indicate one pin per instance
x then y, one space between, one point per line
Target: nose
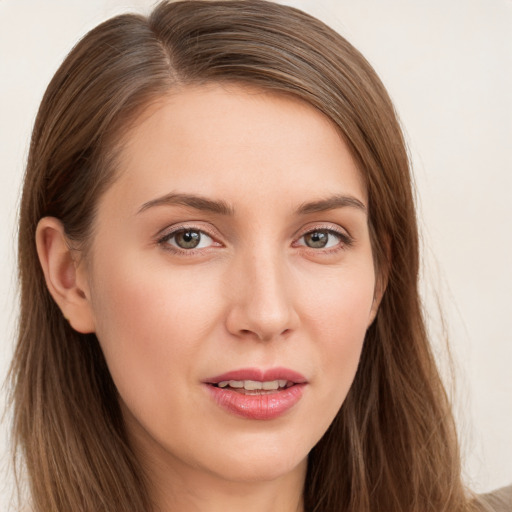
262 300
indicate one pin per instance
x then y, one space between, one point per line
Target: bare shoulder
497 501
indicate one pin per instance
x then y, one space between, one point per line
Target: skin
253 294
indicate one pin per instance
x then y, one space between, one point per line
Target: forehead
234 141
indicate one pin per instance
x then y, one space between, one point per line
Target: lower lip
267 406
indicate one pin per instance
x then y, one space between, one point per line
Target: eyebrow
190 200
331 203
222 208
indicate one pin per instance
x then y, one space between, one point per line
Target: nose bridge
263 305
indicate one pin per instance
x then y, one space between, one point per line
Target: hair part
392 445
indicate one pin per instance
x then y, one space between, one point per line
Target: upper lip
259 375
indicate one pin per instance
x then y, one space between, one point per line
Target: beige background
448 67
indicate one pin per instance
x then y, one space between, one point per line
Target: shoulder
497 501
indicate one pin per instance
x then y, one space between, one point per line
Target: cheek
149 320
338 314
338 302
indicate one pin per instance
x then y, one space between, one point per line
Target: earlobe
65 277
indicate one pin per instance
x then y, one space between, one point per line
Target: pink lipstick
256 394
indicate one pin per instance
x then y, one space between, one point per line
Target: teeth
232 384
253 385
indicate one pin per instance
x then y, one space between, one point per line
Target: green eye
187 239
321 239
316 239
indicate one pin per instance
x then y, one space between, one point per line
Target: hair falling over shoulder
392 446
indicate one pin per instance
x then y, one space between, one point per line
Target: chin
261 470
260 463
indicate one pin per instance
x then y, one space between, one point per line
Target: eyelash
345 240
164 240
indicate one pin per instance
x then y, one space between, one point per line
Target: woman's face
231 281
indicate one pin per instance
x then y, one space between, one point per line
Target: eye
187 239
321 239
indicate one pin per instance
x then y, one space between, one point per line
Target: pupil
317 239
188 239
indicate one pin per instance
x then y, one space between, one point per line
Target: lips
256 394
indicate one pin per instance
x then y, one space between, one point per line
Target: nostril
249 333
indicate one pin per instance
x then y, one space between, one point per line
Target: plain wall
448 67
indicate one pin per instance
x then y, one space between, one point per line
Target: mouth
255 394
254 387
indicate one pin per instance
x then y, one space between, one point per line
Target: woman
221 307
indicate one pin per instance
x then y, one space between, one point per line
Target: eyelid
166 234
169 232
346 240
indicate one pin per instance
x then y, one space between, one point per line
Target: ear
65 276
380 288
381 281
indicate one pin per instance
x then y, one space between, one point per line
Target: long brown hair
392 446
